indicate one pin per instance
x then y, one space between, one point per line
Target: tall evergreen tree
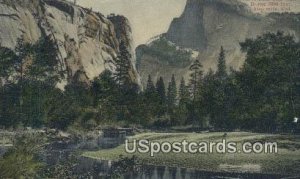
24 52
195 80
150 99
150 88
7 60
104 88
127 89
184 95
195 87
220 108
172 93
123 66
181 114
221 71
44 66
161 90
33 72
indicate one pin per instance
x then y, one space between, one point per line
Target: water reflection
103 168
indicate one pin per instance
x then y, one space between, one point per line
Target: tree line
262 96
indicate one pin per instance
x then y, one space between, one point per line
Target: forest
263 96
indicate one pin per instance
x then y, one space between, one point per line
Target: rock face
206 25
188 30
88 42
124 33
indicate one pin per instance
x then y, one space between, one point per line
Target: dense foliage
166 53
22 160
262 96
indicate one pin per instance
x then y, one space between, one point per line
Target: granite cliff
88 42
205 26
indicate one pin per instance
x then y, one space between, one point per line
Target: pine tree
172 93
161 90
123 66
221 101
195 81
183 92
151 98
221 71
195 87
23 52
7 59
104 88
44 66
150 88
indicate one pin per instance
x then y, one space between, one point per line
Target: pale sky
149 18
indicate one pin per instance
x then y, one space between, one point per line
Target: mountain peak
183 29
205 26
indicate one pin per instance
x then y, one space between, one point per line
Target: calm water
101 168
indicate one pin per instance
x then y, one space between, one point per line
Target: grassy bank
286 161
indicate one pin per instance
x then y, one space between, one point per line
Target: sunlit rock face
188 30
88 42
205 26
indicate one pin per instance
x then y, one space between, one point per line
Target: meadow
285 161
